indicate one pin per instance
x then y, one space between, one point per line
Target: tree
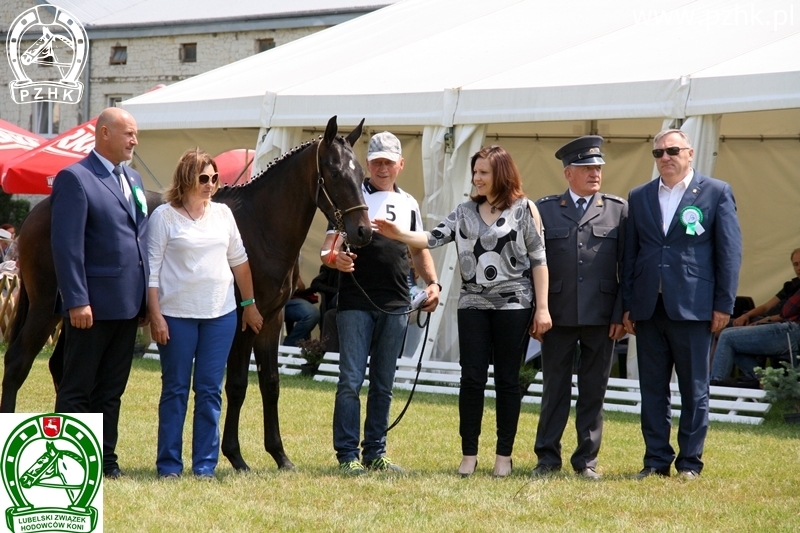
13 211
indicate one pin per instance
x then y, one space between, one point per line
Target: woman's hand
158 328
251 317
386 228
541 324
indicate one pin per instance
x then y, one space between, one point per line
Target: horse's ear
355 134
330 130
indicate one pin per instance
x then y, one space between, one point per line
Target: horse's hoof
287 465
239 465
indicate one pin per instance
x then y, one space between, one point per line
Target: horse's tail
23 304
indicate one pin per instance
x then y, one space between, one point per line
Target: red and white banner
15 141
33 172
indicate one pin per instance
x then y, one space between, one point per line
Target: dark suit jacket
99 248
698 274
584 258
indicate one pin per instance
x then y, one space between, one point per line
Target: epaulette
548 198
612 197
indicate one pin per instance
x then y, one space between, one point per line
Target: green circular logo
52 467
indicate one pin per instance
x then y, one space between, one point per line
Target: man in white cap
375 275
584 233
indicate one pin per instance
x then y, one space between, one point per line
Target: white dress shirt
669 199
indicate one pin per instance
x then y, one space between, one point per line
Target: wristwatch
436 282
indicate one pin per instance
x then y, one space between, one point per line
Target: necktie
582 205
126 191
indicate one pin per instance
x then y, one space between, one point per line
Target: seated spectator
300 314
7 235
772 307
770 337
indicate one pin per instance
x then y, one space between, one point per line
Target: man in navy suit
683 251
99 216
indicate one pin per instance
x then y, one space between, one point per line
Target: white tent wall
527 68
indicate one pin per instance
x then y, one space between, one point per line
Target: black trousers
594 367
97 363
499 336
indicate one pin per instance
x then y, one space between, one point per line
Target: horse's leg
56 363
39 325
235 391
266 352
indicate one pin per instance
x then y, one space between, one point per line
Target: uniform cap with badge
583 151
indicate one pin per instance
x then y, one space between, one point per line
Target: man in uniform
584 232
375 275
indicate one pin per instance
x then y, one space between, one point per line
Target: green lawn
751 481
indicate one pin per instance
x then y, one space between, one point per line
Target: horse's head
339 191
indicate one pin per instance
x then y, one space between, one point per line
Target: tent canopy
450 75
445 62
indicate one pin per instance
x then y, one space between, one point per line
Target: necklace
190 215
494 208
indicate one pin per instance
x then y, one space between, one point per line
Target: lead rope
419 369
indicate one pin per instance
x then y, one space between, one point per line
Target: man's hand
630 325
433 298
719 320
616 331
81 317
345 261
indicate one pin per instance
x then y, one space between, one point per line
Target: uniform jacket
584 258
697 274
99 247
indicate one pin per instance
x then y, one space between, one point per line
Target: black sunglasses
203 179
658 153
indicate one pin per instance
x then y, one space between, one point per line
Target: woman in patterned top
498 235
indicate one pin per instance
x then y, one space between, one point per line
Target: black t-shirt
789 288
382 266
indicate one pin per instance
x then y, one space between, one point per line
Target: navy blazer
99 246
697 274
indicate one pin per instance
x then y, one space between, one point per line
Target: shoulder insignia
614 198
548 198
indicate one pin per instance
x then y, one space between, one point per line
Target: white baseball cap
384 145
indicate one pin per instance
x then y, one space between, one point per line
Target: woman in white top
195 253
498 235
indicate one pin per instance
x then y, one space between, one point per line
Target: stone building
137 46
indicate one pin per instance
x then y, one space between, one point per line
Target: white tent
452 75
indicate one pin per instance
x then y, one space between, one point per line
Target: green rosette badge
691 218
52 468
141 199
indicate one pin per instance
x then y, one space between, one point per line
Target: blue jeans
739 345
363 334
207 342
304 315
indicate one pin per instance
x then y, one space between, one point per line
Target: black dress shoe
588 473
688 474
650 471
113 473
542 470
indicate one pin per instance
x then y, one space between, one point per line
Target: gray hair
681 133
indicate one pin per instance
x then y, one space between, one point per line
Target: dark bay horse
274 213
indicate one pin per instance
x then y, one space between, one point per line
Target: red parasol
15 141
33 172
234 165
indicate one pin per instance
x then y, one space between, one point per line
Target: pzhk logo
63 44
52 467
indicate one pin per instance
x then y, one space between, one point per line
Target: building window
46 116
188 53
115 99
119 55
262 45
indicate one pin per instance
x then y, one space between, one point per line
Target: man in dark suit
99 216
683 251
584 232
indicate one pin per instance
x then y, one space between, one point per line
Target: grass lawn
751 481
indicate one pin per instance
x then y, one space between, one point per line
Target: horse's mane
235 192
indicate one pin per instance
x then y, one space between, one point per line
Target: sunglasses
658 153
203 179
